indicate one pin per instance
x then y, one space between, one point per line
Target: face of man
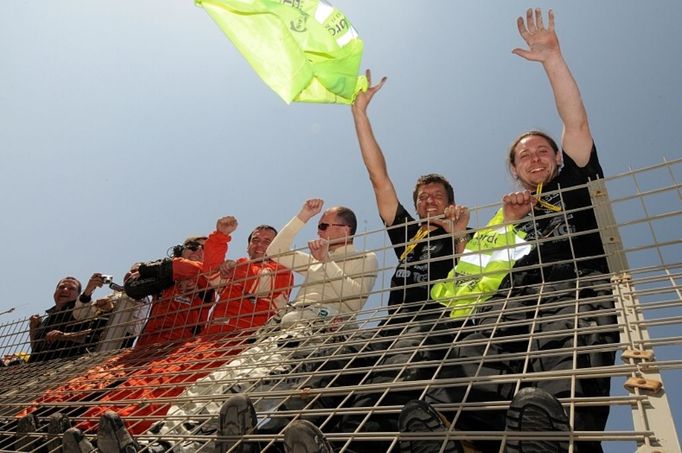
432 199
67 290
333 228
194 250
535 161
260 239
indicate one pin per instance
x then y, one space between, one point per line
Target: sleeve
572 174
184 269
280 251
400 231
84 310
215 249
351 280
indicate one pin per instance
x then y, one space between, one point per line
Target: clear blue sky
126 126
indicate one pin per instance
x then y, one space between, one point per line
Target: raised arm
387 199
543 46
279 249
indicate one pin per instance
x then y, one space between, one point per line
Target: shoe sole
75 442
303 437
237 417
112 436
421 411
26 425
536 410
56 427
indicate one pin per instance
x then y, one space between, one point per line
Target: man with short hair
425 249
338 278
60 334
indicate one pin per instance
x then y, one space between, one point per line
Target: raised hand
35 321
517 205
96 281
543 43
363 98
310 208
226 225
319 248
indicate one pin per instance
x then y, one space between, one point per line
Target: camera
106 279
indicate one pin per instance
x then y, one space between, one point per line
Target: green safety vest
487 259
305 50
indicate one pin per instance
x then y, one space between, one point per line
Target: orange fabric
166 377
149 377
236 312
181 309
172 321
238 308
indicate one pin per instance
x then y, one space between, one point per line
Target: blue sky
126 126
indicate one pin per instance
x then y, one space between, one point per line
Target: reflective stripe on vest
487 259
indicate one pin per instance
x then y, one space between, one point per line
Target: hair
176 250
348 217
191 239
433 178
259 228
511 156
80 287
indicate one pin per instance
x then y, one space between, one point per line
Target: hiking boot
57 425
237 418
26 425
419 417
112 436
303 437
533 409
74 441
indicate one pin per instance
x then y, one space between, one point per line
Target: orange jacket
181 310
251 296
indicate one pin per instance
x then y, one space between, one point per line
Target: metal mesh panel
352 377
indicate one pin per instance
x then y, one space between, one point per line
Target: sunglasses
323 226
194 246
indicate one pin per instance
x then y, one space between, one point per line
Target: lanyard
543 203
421 234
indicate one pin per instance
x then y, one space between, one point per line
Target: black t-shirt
430 260
563 225
63 320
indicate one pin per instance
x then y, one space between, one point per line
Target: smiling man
60 334
337 278
424 249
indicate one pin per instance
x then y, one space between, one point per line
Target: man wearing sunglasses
337 277
182 308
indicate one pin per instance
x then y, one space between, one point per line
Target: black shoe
25 426
237 418
112 436
57 425
303 437
74 441
419 417
534 409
